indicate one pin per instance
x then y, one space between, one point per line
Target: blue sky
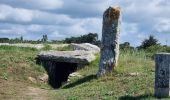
64 18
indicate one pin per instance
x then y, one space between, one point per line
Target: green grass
118 85
17 64
46 47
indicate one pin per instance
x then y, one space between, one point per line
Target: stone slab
77 56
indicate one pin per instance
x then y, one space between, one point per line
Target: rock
33 80
110 40
75 74
60 64
68 80
78 56
85 47
134 74
44 78
54 46
162 75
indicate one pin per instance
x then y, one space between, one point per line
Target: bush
126 46
156 49
151 41
152 50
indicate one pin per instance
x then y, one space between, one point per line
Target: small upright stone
162 75
110 40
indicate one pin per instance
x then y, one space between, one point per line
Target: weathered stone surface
110 40
77 56
86 47
162 75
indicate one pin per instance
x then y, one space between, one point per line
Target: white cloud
65 18
150 17
35 28
34 4
14 31
56 35
129 29
83 8
15 14
45 4
25 16
93 25
78 28
162 25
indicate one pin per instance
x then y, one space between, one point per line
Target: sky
60 19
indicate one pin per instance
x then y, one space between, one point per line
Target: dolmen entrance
60 64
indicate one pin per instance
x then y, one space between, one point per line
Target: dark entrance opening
58 72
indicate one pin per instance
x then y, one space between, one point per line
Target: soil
17 90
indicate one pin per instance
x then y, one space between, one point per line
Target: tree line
149 44
21 40
87 38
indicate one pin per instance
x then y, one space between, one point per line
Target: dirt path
10 90
36 93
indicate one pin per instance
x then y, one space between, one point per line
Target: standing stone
110 40
162 75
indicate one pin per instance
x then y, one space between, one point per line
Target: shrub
151 41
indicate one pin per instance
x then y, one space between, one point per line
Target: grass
46 47
17 64
118 85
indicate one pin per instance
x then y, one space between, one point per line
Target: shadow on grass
140 97
80 81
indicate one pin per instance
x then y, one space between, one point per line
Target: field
133 78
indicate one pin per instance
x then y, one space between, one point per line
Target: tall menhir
110 40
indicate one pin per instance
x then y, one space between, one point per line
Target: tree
45 38
4 40
87 38
151 41
125 45
21 38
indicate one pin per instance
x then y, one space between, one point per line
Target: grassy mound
132 79
18 63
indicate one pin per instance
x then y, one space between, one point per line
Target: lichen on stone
113 13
